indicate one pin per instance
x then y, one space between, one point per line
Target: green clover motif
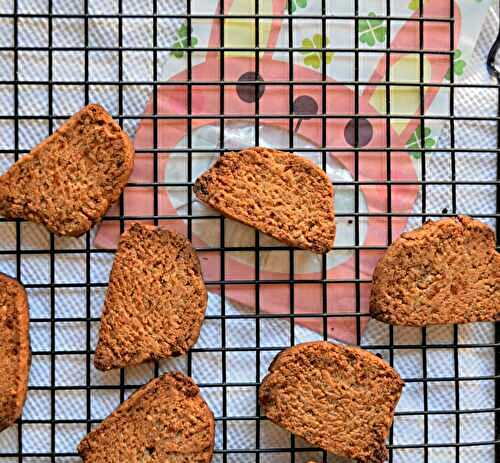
182 41
372 31
458 65
294 4
414 143
313 58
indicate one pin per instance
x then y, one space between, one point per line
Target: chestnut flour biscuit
69 181
443 272
15 354
280 194
166 421
339 398
156 299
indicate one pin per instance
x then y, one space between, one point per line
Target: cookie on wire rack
165 420
280 194
447 271
339 398
15 353
69 181
156 299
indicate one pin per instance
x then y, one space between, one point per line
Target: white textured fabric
206 367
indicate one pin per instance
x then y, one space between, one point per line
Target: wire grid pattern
35 261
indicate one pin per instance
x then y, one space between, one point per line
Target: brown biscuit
15 353
443 272
69 181
280 194
166 420
339 398
156 299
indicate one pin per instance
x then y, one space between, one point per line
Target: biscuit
446 271
15 353
280 194
339 398
156 299
70 180
166 420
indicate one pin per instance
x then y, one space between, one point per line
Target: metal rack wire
255 451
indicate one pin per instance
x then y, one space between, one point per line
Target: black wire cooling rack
17 12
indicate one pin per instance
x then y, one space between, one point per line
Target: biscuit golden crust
69 181
280 194
156 299
15 353
339 398
446 271
166 420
